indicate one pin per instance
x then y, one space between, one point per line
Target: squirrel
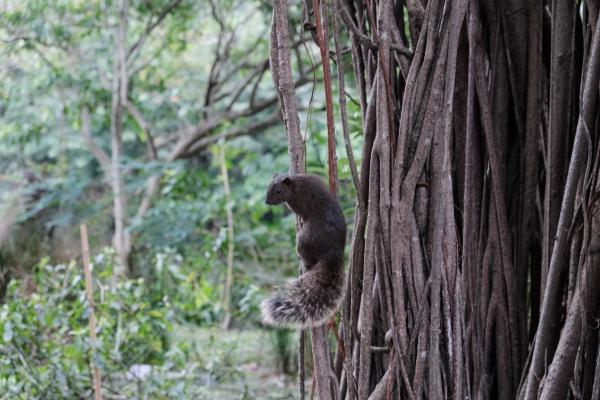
314 297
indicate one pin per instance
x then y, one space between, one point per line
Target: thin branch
402 50
144 126
241 87
142 65
245 130
149 28
256 84
362 38
230 248
92 145
322 38
190 135
342 99
153 183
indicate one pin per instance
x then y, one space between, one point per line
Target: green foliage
194 288
185 283
57 57
45 348
285 350
185 232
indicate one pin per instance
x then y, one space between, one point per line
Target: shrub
44 334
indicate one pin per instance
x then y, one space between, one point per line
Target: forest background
146 175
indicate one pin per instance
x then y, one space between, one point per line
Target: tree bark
230 245
121 237
578 157
282 77
470 204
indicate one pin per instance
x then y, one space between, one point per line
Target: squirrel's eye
278 190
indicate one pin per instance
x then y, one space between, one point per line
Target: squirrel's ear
287 181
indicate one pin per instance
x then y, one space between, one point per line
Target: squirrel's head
279 190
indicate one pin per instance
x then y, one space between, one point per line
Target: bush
44 334
194 286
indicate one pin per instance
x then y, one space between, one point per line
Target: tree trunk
121 238
472 246
229 274
282 77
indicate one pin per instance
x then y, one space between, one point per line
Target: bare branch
149 28
362 38
144 126
213 75
192 134
241 87
256 84
342 99
402 50
245 130
142 65
153 183
92 145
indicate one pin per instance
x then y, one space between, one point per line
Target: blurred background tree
114 107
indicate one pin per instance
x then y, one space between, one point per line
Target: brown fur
312 298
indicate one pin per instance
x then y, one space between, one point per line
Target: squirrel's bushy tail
307 301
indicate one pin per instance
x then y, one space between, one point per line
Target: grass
238 364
